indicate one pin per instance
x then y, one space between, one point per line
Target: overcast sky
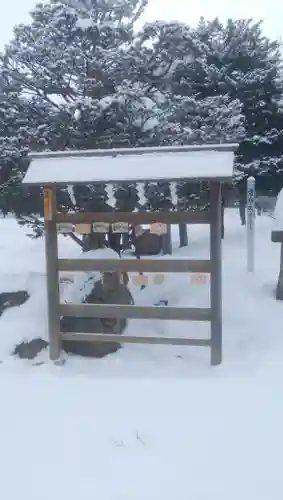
16 11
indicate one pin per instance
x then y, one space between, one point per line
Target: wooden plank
65 228
52 275
216 274
140 280
279 287
100 227
277 236
137 218
107 337
158 228
136 265
190 178
136 151
135 312
83 228
120 227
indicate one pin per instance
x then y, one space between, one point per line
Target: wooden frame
211 266
54 265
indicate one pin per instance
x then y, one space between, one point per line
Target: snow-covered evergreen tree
13 146
234 60
68 60
87 81
167 55
243 63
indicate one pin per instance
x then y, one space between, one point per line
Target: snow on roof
132 165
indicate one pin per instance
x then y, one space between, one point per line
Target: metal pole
250 224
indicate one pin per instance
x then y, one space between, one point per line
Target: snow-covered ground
147 421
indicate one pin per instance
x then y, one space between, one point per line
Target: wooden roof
174 163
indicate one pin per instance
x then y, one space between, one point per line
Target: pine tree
246 65
170 58
13 147
87 81
68 60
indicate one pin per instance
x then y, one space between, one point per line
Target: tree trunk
167 241
126 241
114 241
183 235
242 209
94 241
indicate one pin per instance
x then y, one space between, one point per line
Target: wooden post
52 275
216 273
167 241
279 288
222 217
183 235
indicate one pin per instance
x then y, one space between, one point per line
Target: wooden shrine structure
212 163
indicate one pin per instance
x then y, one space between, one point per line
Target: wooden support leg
222 220
279 288
52 278
167 241
216 273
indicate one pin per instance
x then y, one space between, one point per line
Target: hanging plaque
120 227
67 279
140 280
100 227
199 279
158 228
83 228
65 228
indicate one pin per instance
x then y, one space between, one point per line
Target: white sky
16 11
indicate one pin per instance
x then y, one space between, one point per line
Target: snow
106 102
84 23
174 195
150 124
77 114
111 200
148 421
138 167
71 194
141 194
83 282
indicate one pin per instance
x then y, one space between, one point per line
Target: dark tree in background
246 65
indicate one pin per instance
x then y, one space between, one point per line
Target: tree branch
33 218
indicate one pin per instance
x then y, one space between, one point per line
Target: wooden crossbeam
132 339
134 265
189 217
135 312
